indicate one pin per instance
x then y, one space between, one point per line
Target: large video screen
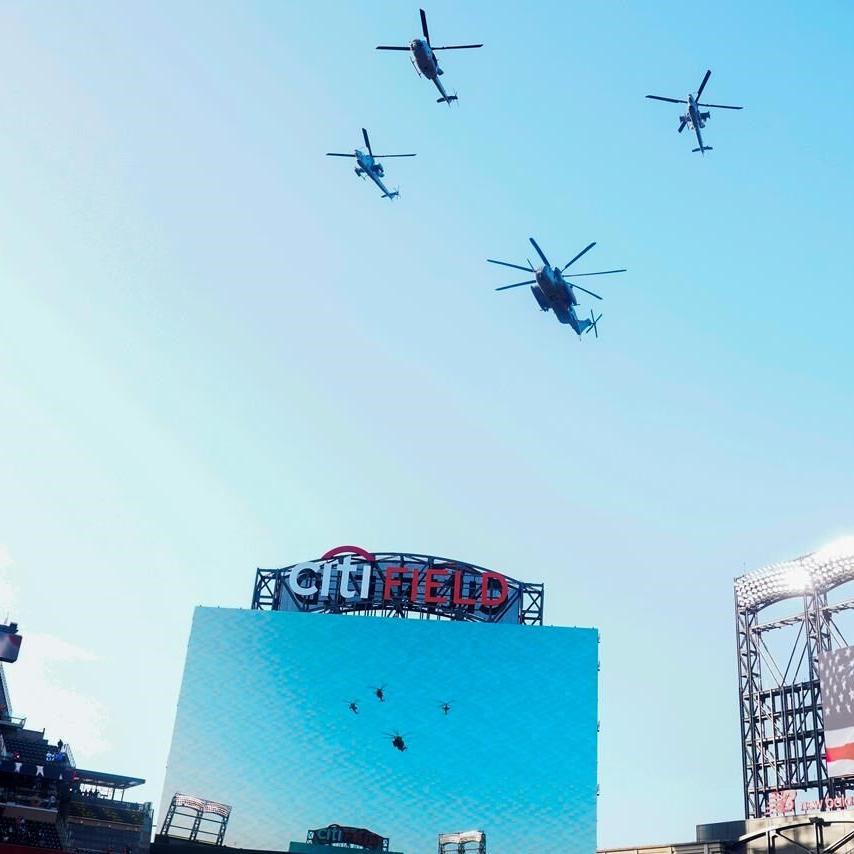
408 728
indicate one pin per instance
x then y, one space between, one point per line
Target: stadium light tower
208 819
781 712
467 842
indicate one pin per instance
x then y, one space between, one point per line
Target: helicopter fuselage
426 64
552 284
695 119
424 58
368 166
553 292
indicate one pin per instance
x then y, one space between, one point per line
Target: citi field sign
354 581
351 578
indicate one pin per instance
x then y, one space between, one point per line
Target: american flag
836 670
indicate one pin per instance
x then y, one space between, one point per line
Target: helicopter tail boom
446 98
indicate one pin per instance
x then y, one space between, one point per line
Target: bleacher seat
35 834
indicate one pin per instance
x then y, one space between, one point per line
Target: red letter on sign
431 584
390 581
459 599
485 600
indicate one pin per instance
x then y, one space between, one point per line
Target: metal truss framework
781 716
524 603
810 834
202 814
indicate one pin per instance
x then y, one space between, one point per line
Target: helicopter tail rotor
592 324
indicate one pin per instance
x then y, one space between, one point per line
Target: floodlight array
813 573
201 805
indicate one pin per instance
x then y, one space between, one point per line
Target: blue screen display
279 716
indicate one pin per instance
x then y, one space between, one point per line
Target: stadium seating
39 794
27 749
106 811
19 831
103 838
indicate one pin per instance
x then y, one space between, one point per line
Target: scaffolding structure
781 713
208 819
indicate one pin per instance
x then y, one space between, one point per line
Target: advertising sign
353 579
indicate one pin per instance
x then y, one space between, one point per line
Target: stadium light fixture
819 571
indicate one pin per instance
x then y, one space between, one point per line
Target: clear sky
264 726
220 350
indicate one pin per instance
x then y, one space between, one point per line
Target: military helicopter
369 166
353 706
424 58
552 290
695 118
445 707
397 741
379 693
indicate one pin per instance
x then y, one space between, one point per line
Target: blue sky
220 350
263 726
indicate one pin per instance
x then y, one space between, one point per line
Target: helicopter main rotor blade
383 156
539 252
599 273
367 142
586 249
720 106
579 288
456 47
517 285
392 47
669 100
336 154
703 85
508 264
424 26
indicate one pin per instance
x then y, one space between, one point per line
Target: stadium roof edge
102 778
